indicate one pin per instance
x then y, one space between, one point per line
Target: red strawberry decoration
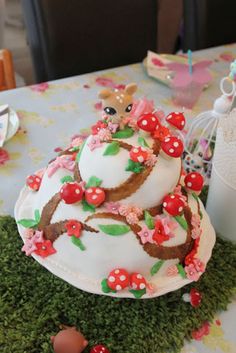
138 154
33 182
71 192
118 279
95 196
100 348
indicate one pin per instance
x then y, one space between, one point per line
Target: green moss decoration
93 181
149 220
76 241
112 149
114 229
156 267
123 134
34 302
135 167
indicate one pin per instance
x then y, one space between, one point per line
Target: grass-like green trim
33 303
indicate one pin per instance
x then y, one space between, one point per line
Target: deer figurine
117 104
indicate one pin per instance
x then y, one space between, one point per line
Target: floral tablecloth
51 113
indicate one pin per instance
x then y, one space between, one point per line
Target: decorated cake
115 213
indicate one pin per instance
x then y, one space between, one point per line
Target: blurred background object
7 74
75 37
208 23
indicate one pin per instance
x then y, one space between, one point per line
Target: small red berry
118 279
95 196
71 192
100 348
33 182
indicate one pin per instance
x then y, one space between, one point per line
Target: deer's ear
104 94
131 88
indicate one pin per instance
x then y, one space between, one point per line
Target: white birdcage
200 139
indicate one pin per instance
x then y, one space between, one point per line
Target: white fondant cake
119 231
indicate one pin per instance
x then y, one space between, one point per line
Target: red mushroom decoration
194 297
148 122
99 348
138 154
118 279
33 182
137 281
71 192
173 205
69 340
194 182
176 120
95 196
172 146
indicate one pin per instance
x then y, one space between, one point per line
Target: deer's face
117 104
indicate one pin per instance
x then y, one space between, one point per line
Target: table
51 113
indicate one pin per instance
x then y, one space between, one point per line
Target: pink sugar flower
29 247
132 122
172 271
196 233
94 143
65 162
196 220
124 210
76 142
146 235
168 224
191 272
28 233
199 265
132 218
37 237
112 207
104 135
112 127
151 160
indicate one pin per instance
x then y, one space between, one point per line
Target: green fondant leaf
142 142
112 149
28 223
37 216
156 267
181 271
135 167
149 220
138 293
200 213
114 229
194 195
122 134
182 222
78 242
87 207
80 152
74 149
66 179
93 181
105 287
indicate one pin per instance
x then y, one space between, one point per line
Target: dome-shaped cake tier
113 215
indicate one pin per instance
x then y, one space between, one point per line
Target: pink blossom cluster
196 222
130 212
195 269
32 237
